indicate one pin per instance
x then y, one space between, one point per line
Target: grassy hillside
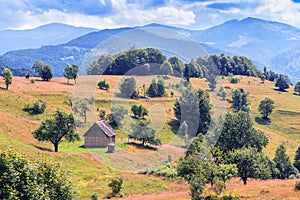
91 170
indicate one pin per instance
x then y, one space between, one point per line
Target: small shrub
297 185
116 185
32 81
234 80
27 75
103 85
94 197
38 107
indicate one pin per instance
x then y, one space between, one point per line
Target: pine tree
297 159
282 162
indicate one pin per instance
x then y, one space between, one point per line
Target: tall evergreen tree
297 159
282 162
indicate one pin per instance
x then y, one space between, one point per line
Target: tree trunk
143 142
6 87
68 81
245 181
56 147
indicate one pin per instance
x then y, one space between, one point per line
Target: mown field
92 169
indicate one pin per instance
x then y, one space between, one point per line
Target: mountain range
49 34
271 44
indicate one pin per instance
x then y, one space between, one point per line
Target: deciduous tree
297 88
54 129
71 72
266 107
283 82
142 132
127 87
7 76
44 71
23 179
238 132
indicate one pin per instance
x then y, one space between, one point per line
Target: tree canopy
283 163
283 82
142 132
71 72
23 179
54 129
194 107
139 111
156 89
127 87
238 132
266 107
44 71
297 87
239 100
7 76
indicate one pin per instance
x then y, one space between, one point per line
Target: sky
100 14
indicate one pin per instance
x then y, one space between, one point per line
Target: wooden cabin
99 135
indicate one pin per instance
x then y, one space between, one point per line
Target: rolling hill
91 170
267 43
49 34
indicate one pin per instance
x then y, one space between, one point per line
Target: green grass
92 169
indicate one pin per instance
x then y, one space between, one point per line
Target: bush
297 185
103 85
222 197
38 107
234 80
168 171
116 185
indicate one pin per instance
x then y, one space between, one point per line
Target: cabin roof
103 126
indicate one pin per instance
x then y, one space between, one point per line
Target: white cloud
21 14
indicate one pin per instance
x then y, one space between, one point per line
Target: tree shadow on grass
174 125
140 146
42 148
278 90
262 121
2 88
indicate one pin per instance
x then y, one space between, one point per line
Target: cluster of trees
195 109
129 90
124 61
139 111
157 89
224 65
232 147
152 61
238 152
23 179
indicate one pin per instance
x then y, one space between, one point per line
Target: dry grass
88 171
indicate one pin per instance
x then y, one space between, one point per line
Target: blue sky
193 14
